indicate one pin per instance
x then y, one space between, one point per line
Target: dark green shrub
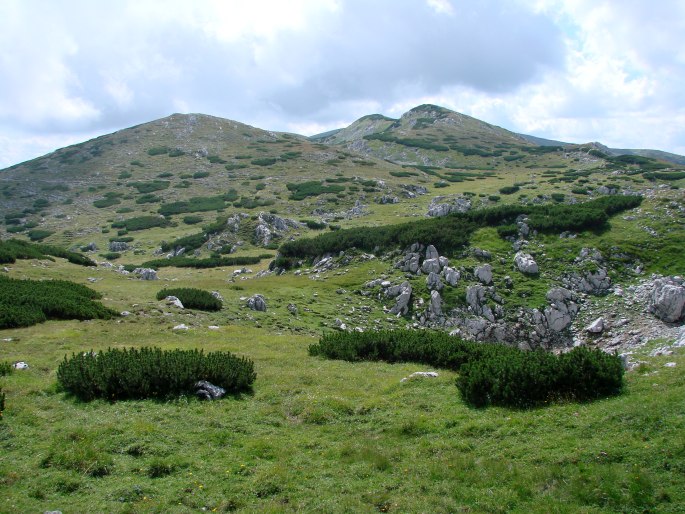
2 402
508 190
212 262
14 249
201 174
489 374
106 202
39 234
190 242
315 225
192 298
6 368
157 150
494 198
26 302
151 186
192 220
176 152
151 373
579 191
111 256
232 167
148 198
558 197
195 204
141 223
266 161
312 188
215 159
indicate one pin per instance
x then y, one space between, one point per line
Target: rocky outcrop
401 306
667 300
257 303
432 252
563 309
439 208
431 266
433 282
484 274
592 282
269 225
387 199
435 307
145 273
412 191
526 264
118 246
451 276
207 391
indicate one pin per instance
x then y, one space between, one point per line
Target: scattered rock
20 365
421 374
387 199
596 327
459 204
435 308
670 365
124 314
482 255
401 306
433 282
207 391
146 273
484 274
172 300
180 327
526 264
667 301
118 246
292 309
451 276
257 303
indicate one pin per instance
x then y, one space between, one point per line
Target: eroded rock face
667 301
438 208
526 264
563 309
433 282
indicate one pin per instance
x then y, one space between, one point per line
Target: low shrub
489 374
141 223
106 202
2 402
121 374
6 368
266 161
192 220
39 234
151 186
508 190
14 249
27 302
192 298
195 204
157 150
302 190
212 262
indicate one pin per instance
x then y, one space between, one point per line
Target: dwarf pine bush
121 374
192 298
489 374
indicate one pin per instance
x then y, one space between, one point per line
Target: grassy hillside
321 435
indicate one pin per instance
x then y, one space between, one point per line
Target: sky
571 70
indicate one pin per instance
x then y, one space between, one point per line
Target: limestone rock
451 276
596 327
207 391
172 300
431 252
484 274
667 301
433 282
435 308
525 263
401 306
431 266
146 273
118 246
257 303
420 374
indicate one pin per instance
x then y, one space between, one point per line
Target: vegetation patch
39 234
192 298
265 161
141 223
489 374
195 204
151 186
210 262
27 302
139 373
302 190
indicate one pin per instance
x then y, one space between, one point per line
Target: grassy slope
322 435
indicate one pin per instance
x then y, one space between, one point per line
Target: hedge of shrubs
210 262
141 223
195 204
489 374
27 302
122 374
302 190
192 298
449 233
14 249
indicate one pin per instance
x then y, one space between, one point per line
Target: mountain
407 240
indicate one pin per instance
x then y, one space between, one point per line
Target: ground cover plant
125 374
489 374
14 249
192 298
26 302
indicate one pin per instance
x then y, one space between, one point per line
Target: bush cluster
302 190
14 249
410 142
141 223
122 374
449 233
210 262
151 186
489 374
195 204
192 298
27 302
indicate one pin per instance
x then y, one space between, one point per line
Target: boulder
387 199
667 301
292 309
146 273
435 307
172 300
525 263
91 247
432 253
484 274
257 303
451 276
420 374
596 327
482 255
207 391
401 306
118 246
433 282
437 208
431 266
180 327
